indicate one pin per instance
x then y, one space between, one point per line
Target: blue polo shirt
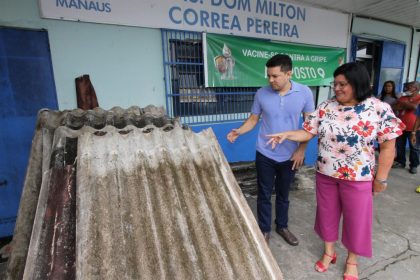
418 111
280 113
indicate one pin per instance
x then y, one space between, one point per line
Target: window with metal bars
186 95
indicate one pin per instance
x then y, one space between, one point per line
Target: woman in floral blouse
347 127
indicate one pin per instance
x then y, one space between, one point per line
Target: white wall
324 94
386 31
124 63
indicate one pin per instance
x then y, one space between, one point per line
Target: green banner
240 62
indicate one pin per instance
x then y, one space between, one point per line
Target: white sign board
267 19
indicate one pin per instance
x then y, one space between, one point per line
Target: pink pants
355 201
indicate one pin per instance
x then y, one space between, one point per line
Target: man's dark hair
282 60
358 77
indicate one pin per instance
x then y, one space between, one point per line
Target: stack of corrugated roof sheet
131 194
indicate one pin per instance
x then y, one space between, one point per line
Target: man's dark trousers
414 149
279 175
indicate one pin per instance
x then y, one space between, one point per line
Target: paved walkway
396 235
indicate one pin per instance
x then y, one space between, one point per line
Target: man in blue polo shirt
280 106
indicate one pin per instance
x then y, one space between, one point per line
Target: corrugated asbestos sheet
130 194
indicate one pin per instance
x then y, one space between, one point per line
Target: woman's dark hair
358 77
282 60
383 93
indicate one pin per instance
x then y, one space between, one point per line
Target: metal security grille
186 95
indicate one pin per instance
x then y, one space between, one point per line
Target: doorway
383 59
26 86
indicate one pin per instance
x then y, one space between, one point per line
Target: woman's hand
379 186
277 138
292 135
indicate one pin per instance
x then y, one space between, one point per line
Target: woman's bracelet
383 182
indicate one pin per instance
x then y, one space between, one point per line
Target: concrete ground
396 235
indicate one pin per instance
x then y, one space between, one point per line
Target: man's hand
413 138
248 125
297 158
233 134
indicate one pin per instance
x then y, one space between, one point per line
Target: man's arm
404 104
413 137
248 125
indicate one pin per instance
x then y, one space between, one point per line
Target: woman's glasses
340 85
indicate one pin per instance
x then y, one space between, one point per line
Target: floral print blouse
346 136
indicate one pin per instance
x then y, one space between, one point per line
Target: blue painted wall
244 147
26 86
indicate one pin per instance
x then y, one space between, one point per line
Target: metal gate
186 95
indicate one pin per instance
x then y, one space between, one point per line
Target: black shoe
267 237
396 164
287 236
413 170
